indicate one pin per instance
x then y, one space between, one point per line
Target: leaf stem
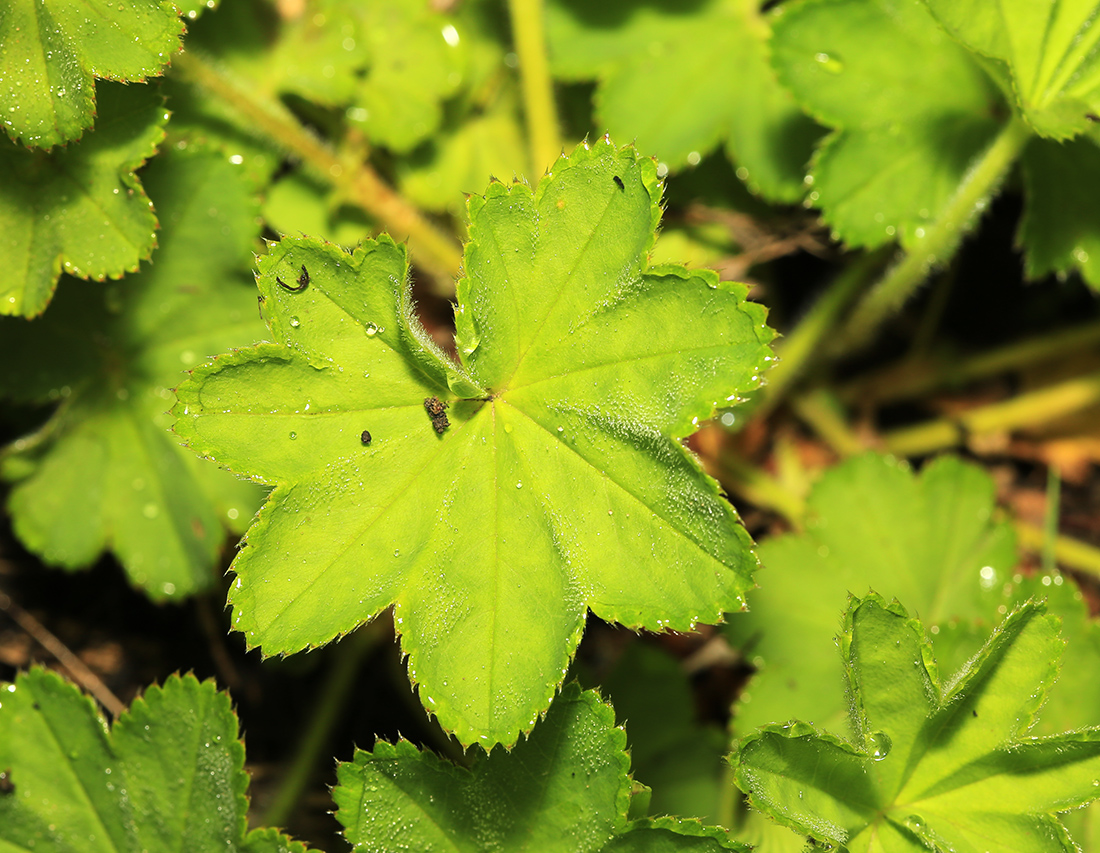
797 349
825 416
1035 407
326 712
435 252
939 241
529 37
759 488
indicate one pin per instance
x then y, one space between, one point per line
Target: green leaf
105 472
79 208
168 776
559 484
680 759
910 110
931 766
54 50
680 81
567 787
930 540
1060 230
1050 49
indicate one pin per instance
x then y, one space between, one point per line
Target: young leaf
167 776
105 472
79 208
567 787
932 766
930 539
910 110
54 50
682 80
1049 48
552 484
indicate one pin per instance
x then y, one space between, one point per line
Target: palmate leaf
910 109
566 788
931 540
1050 48
167 776
932 765
680 81
559 484
105 472
80 209
54 50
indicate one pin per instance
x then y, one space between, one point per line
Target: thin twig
76 668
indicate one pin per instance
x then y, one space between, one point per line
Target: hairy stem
433 251
529 37
939 241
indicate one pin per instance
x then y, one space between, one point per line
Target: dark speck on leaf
303 280
437 411
365 437
6 785
619 182
975 713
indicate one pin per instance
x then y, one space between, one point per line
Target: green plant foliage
678 758
650 61
167 776
930 540
1060 230
909 107
79 208
580 369
54 50
104 472
1050 49
566 788
931 766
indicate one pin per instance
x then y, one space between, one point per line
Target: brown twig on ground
759 241
76 668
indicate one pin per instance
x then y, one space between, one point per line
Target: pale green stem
1050 522
910 380
1035 407
821 411
326 712
529 37
796 350
939 241
760 489
431 249
1068 552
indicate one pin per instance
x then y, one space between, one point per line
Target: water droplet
519 485
878 744
371 330
293 435
829 63
295 322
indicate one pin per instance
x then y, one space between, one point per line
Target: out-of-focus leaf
80 209
105 472
681 79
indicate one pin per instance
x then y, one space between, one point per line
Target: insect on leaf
558 484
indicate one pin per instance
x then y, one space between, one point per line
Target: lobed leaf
1050 49
80 209
556 485
909 107
930 539
104 472
565 788
54 50
680 81
167 776
931 765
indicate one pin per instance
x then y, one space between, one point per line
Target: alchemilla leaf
167 776
932 765
79 209
105 472
493 501
1050 48
54 50
566 788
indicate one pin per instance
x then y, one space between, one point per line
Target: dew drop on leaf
878 744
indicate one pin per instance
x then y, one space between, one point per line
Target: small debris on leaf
365 437
436 409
